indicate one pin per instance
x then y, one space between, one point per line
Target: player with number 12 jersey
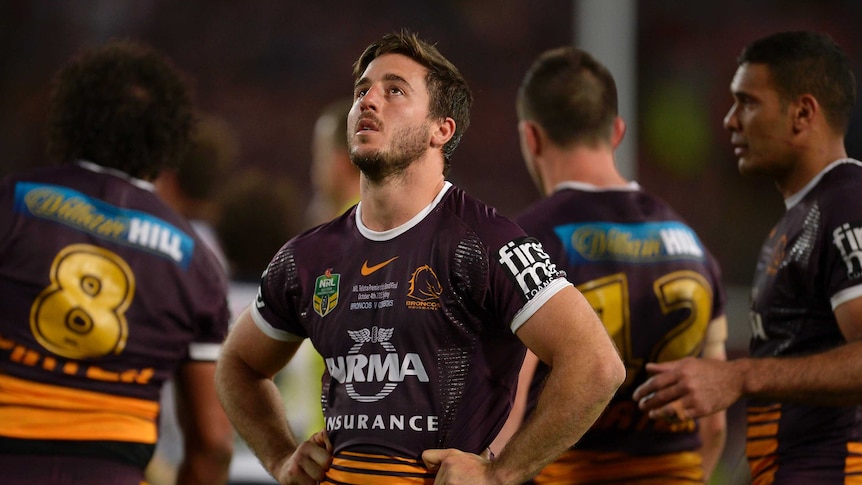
657 290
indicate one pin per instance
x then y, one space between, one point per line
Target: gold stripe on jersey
593 467
367 469
853 463
30 410
761 443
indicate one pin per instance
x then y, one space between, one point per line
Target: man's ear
618 131
531 138
804 111
444 132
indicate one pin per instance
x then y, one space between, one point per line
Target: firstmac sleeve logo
848 240
528 265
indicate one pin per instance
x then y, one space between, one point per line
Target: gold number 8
81 314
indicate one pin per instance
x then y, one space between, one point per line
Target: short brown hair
571 95
448 91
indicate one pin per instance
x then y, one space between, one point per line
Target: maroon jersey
105 292
653 284
810 263
416 324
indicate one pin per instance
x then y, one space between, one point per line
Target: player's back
652 282
105 292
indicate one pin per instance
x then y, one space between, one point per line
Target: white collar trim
572 184
397 231
141 183
798 196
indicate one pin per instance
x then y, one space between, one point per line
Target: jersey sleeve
522 276
842 245
275 309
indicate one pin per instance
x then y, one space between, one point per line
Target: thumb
433 458
321 439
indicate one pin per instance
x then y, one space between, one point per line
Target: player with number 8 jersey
105 292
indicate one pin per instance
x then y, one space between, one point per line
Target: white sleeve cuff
271 331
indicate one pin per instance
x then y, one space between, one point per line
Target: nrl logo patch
326 292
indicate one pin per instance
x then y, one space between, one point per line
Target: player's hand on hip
455 467
308 464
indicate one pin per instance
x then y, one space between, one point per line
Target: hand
308 463
689 388
455 467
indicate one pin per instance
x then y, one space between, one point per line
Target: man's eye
359 93
394 90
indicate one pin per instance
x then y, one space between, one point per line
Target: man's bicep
565 323
257 350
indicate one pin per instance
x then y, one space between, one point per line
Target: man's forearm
254 406
831 378
570 403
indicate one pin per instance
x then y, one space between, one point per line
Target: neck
591 166
395 200
808 166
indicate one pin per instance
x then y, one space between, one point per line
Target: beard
408 144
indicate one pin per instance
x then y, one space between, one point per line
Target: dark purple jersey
653 284
105 291
416 324
810 263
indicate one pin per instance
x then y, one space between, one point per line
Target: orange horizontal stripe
853 463
762 430
762 418
763 469
32 410
760 448
367 469
578 466
764 409
352 455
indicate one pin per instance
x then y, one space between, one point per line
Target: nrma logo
376 374
528 264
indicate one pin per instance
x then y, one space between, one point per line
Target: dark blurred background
269 66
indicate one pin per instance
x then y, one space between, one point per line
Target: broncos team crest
326 292
425 290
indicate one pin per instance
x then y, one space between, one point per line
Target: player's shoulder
324 237
477 215
839 188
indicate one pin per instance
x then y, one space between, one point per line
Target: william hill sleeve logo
527 263
326 292
645 242
93 216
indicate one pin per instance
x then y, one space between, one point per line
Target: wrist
749 382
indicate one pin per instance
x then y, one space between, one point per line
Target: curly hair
448 91
123 106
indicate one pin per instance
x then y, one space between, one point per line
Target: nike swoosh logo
367 270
